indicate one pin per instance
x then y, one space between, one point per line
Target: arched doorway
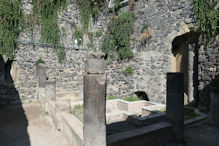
185 60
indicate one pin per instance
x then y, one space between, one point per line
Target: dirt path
24 125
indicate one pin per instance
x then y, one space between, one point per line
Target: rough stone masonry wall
168 18
208 71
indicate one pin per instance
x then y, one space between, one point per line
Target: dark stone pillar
175 104
95 101
214 108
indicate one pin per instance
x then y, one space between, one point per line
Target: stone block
175 104
214 107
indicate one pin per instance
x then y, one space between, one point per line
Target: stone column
50 93
41 75
191 55
42 78
95 101
175 104
214 108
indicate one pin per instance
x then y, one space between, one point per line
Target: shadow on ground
13 121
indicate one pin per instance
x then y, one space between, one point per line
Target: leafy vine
206 13
11 23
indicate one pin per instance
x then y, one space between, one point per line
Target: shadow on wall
13 121
204 94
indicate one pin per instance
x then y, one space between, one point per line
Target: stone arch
185 60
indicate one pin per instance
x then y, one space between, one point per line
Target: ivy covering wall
11 23
117 40
206 14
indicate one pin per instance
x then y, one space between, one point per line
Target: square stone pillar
214 107
41 75
95 101
50 93
175 104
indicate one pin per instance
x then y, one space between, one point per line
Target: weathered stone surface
41 74
175 104
151 62
190 86
94 110
95 63
50 93
214 108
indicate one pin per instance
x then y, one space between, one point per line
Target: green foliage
98 33
39 61
206 15
78 35
84 9
47 10
144 27
131 99
88 8
11 21
91 43
190 113
61 55
45 113
111 97
118 37
64 35
77 111
128 71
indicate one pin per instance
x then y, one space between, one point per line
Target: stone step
74 96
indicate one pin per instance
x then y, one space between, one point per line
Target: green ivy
206 15
39 61
61 55
47 12
84 9
78 35
128 71
118 37
87 9
11 21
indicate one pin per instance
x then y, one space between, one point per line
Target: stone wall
208 69
168 19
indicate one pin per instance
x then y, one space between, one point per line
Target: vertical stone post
95 101
191 55
50 93
42 78
175 104
41 75
214 108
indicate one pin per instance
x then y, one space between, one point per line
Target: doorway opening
185 60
